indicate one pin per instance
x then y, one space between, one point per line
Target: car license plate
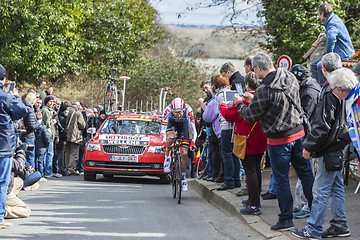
124 158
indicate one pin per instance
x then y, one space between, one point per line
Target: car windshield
121 126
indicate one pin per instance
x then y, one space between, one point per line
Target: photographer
11 108
15 208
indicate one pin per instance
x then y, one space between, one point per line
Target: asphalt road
120 208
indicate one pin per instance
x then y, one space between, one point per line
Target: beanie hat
31 97
48 98
63 107
300 72
2 72
356 69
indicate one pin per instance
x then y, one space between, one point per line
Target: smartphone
239 89
229 95
12 86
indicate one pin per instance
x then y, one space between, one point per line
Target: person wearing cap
309 93
49 123
74 124
11 109
61 133
31 125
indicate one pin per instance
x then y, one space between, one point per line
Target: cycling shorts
182 130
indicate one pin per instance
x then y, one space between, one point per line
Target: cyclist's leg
170 134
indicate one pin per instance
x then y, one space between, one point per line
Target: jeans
30 155
300 199
39 163
252 169
210 159
31 179
49 159
231 162
328 184
280 158
316 71
272 184
5 171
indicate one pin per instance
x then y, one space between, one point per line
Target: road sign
284 62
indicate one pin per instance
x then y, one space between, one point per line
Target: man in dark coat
235 78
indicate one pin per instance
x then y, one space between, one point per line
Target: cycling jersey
181 126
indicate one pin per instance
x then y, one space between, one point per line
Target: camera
27 147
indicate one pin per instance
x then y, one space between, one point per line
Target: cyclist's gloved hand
164 146
192 146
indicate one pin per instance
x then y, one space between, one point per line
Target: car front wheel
89 176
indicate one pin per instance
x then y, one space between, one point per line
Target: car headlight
91 147
155 149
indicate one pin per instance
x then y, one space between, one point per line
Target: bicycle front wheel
178 179
172 179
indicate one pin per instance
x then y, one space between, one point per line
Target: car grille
125 165
116 149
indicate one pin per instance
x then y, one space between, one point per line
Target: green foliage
165 69
292 26
51 38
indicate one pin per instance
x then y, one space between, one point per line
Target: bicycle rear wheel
202 165
178 179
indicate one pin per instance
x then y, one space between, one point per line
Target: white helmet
177 105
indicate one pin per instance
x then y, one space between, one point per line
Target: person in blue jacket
338 40
11 108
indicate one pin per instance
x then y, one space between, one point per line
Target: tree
51 38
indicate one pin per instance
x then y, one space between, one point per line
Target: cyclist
178 118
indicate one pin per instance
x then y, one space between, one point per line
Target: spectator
74 124
11 109
86 114
247 65
49 123
41 90
42 142
61 133
31 125
255 148
329 138
235 77
231 162
356 70
15 208
49 91
338 40
211 115
102 116
309 93
37 105
274 105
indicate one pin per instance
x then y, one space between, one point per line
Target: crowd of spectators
42 137
297 117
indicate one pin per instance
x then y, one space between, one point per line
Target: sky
169 10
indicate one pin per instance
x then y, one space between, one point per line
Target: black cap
356 69
300 72
2 72
48 98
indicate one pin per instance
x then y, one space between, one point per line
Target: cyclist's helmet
177 105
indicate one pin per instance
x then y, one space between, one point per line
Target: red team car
125 145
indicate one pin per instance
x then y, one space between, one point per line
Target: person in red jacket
255 148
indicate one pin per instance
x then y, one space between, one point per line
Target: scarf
353 115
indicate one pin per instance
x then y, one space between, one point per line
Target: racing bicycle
203 162
111 93
175 167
